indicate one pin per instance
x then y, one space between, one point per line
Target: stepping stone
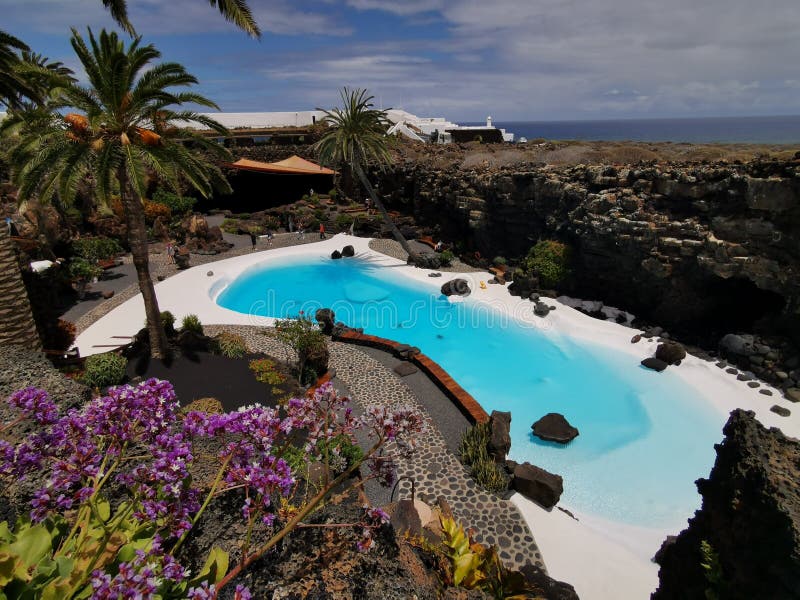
779 410
753 384
405 369
731 370
765 391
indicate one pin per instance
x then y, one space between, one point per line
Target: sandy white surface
602 559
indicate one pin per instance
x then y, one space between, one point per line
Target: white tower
488 121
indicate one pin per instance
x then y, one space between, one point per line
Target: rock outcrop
456 287
536 484
748 529
499 435
703 249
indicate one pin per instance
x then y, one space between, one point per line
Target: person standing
253 239
171 252
322 231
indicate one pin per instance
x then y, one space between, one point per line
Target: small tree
304 338
551 261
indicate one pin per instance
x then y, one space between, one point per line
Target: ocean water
761 130
645 437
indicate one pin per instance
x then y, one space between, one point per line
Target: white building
264 120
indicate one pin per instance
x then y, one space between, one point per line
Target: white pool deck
604 560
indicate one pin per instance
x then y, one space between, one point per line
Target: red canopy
292 165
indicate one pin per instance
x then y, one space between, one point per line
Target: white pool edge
591 554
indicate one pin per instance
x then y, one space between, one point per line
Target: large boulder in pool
540 309
656 364
456 287
326 318
670 352
348 251
536 484
336 255
499 435
553 427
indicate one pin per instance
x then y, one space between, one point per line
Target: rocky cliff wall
749 522
711 248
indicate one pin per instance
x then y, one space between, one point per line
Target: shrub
97 248
231 345
179 205
153 210
210 406
474 454
334 194
81 269
499 261
266 372
192 323
551 261
446 257
230 226
271 222
343 221
102 370
307 341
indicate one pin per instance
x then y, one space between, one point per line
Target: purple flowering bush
119 501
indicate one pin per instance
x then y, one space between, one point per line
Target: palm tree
13 86
356 137
16 319
235 11
123 132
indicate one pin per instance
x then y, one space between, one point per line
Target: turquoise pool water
645 437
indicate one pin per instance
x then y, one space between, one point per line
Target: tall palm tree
16 319
235 11
356 137
124 132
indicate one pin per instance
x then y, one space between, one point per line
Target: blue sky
465 59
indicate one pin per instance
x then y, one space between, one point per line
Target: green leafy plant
343 221
499 261
266 371
551 261
102 370
306 340
192 324
474 454
230 226
447 257
179 205
231 345
96 248
475 566
712 570
82 270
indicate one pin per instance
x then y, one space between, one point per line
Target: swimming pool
644 436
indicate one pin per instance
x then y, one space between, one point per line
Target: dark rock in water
636 339
750 519
670 352
336 255
780 410
348 251
654 363
326 318
405 368
456 287
540 309
499 435
547 587
553 427
536 484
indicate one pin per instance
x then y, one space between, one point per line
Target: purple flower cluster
373 519
35 403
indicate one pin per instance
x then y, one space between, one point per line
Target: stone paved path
435 470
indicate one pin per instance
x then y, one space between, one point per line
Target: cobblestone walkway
435 470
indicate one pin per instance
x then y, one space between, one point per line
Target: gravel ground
395 250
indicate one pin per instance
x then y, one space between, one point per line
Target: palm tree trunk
137 239
386 217
16 319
